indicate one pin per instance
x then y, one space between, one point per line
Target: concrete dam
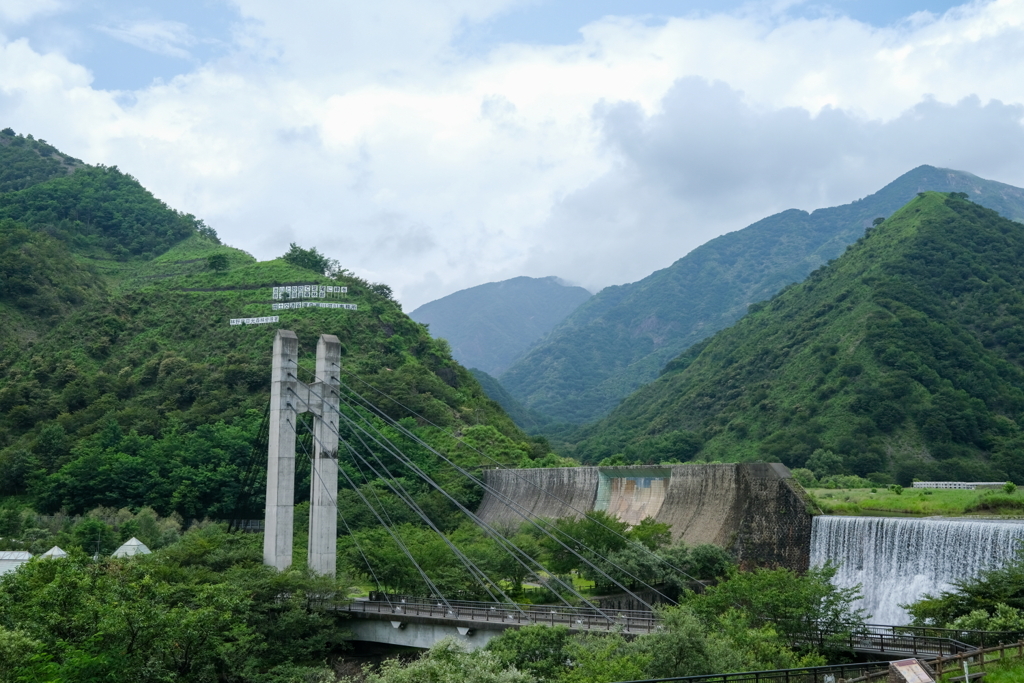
754 510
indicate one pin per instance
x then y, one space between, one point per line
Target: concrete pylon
323 494
290 397
280 512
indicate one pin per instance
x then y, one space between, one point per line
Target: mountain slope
490 325
904 356
622 337
25 161
122 383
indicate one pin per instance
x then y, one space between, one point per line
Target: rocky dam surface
754 510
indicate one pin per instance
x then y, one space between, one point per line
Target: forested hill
25 161
490 325
904 357
622 337
121 381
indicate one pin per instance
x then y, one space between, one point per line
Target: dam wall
754 510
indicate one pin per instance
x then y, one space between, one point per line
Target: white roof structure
12 559
132 546
53 553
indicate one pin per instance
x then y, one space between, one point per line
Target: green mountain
122 382
25 161
903 357
490 325
622 337
521 416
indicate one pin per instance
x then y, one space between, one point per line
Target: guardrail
584 618
883 640
811 674
867 638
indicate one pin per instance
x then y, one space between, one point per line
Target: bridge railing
883 640
923 640
811 674
583 618
878 638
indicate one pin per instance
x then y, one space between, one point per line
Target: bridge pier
289 398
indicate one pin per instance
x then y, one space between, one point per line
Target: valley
135 375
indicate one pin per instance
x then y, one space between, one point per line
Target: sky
439 144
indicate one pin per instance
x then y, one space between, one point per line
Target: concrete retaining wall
755 510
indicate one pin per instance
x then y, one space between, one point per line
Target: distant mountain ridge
490 325
622 337
902 358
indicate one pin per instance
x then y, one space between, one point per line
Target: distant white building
969 485
53 553
132 546
12 559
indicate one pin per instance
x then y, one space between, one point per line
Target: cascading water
898 560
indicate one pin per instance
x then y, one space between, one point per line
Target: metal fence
811 674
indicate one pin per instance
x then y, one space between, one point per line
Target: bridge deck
872 639
504 615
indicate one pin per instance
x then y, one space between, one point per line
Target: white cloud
22 11
358 129
167 38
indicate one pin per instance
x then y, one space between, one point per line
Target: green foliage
652 534
906 344
535 650
100 209
794 605
310 259
992 590
217 262
40 276
621 338
689 645
1002 618
1009 487
25 162
121 383
448 661
204 609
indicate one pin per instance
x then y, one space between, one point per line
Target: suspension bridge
342 421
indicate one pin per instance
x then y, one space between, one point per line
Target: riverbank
920 502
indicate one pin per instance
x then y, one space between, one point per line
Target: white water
898 560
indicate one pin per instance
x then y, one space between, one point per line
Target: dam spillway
898 560
755 510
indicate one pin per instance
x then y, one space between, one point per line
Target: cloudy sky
440 144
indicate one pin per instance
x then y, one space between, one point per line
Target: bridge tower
289 398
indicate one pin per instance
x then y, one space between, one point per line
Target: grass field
920 502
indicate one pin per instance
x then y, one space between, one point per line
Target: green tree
448 661
605 658
794 605
536 650
203 609
992 588
217 262
651 533
310 259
